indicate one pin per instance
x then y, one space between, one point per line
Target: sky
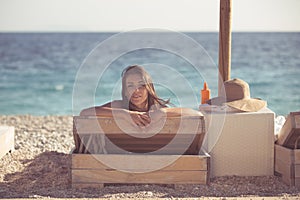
126 15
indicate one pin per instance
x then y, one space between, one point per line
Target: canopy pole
224 43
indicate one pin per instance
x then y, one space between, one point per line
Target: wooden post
224 42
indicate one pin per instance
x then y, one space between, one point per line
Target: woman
139 101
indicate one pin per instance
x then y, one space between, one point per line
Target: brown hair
154 102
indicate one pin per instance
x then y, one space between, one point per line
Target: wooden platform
106 153
7 134
90 170
287 151
287 165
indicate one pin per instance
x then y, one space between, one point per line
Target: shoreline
40 168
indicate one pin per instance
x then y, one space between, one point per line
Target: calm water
38 70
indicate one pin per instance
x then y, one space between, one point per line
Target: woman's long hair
154 102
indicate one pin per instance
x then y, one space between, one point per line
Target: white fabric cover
241 144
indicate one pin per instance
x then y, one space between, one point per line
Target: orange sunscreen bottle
205 93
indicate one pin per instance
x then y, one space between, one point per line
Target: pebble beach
39 167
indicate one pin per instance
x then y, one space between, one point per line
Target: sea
62 73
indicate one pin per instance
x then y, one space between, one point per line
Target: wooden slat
296 120
141 145
297 171
150 151
283 154
290 131
296 156
159 177
284 168
156 140
286 172
137 162
285 164
87 125
297 182
191 143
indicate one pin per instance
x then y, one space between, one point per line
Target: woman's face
136 91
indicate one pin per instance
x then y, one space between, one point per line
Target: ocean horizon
41 71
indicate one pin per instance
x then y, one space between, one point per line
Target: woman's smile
135 96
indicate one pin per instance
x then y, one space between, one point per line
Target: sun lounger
169 153
287 151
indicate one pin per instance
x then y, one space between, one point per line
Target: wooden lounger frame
102 138
287 151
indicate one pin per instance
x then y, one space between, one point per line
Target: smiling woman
138 91
139 101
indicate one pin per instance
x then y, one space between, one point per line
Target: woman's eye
142 86
130 86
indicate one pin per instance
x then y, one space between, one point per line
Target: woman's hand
140 119
157 115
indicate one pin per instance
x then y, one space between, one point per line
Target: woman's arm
162 113
114 109
174 112
106 110
177 112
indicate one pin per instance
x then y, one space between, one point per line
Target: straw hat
238 96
